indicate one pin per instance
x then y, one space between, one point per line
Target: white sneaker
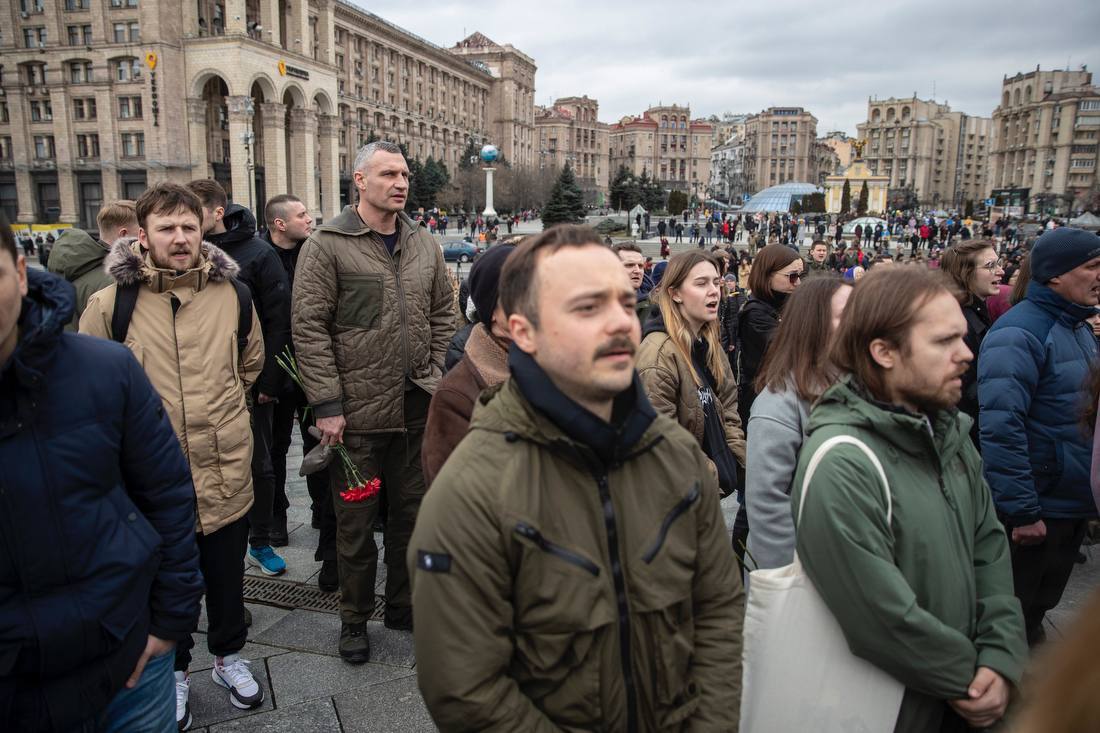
232 673
183 707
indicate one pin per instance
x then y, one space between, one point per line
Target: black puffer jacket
756 326
263 273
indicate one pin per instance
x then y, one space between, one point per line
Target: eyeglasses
794 277
992 266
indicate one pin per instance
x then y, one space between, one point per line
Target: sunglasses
794 277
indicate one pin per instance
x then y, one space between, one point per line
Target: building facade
1046 137
727 171
569 132
922 145
780 147
668 145
841 145
101 98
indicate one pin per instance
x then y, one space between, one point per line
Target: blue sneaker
266 560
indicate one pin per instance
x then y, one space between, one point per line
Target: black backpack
126 300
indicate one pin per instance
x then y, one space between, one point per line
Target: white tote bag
798 672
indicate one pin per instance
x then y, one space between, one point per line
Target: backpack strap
125 301
244 315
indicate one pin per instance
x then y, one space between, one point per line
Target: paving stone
390 707
210 702
309 631
201 658
301 676
390 647
315 716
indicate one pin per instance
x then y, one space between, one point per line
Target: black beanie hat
1060 250
485 280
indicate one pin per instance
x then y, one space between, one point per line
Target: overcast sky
828 57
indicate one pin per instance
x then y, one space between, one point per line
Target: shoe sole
257 564
328 588
185 724
355 657
240 705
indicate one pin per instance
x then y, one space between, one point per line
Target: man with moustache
920 583
571 569
1033 376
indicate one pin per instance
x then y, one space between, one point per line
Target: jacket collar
609 442
486 355
1063 310
48 306
129 264
349 222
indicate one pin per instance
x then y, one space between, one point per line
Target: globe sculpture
489 155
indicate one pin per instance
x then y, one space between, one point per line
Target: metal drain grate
286 594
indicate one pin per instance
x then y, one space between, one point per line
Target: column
299 39
109 143
270 20
303 133
197 138
65 146
328 128
240 124
235 18
326 32
274 116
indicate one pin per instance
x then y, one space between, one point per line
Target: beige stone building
101 98
923 145
667 144
841 145
1045 137
569 132
780 147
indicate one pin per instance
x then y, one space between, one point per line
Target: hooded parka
184 333
366 323
928 597
78 258
572 575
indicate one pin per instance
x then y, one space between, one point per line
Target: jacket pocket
566 555
359 304
232 442
677 511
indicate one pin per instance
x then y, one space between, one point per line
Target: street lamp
248 139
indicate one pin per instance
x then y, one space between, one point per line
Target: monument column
274 117
303 135
240 128
328 129
197 137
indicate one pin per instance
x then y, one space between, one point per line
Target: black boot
328 580
354 644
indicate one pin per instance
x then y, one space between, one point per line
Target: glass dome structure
778 198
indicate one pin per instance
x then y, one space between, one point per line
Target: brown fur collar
487 356
127 263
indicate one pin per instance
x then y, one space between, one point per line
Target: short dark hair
518 281
883 306
7 238
769 260
166 198
210 192
276 207
822 242
627 247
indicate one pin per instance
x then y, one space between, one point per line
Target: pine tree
624 190
861 204
566 203
846 198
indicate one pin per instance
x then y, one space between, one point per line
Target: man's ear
219 213
884 353
523 333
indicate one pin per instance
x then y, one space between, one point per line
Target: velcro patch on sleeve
433 562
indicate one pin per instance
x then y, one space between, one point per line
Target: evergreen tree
861 204
416 197
566 203
677 202
471 153
624 190
846 198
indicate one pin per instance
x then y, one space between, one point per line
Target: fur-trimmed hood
128 263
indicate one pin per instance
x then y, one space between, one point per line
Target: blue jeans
150 707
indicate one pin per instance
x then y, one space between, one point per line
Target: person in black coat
99 570
233 228
776 272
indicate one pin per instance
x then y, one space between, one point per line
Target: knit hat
1060 250
485 280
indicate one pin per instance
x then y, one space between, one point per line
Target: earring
677 301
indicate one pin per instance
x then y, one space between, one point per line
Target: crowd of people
544 448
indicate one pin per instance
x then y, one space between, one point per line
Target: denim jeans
150 707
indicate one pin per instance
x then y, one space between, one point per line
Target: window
1082 163
87 146
133 144
5 149
41 111
36 74
84 109
43 147
127 69
80 35
77 4
34 37
1089 104
129 108
4 119
127 31
124 3
80 72
32 6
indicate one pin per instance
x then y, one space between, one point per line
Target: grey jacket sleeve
774 438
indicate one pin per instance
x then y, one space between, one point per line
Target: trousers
1040 572
288 410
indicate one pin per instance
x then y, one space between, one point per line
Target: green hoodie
929 598
79 259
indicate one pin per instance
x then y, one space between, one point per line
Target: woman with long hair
776 272
972 266
683 368
794 374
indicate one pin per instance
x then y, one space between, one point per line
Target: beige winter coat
366 323
192 360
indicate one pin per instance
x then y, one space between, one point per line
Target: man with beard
919 578
571 569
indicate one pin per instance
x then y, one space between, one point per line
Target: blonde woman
684 368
